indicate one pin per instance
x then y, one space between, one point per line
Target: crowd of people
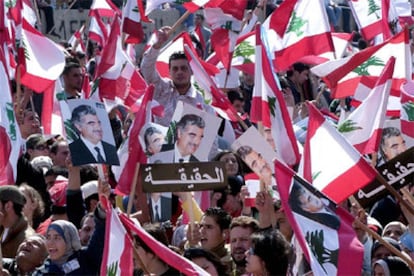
52 219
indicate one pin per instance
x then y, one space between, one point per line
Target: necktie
157 214
100 157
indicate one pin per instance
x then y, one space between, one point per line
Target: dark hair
245 222
387 133
156 232
149 132
298 67
88 173
17 208
221 217
176 56
56 170
189 119
80 111
234 95
242 166
194 253
200 16
233 188
69 66
55 146
273 249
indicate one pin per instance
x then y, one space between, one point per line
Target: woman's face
254 263
231 165
55 244
206 265
309 202
30 205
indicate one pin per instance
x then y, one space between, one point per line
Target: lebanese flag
369 17
363 127
42 60
269 107
53 100
76 40
195 5
407 108
155 4
348 75
131 152
301 33
117 255
168 256
331 164
104 8
326 236
132 15
10 147
98 30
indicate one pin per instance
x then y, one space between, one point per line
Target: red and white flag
117 255
300 31
132 16
155 4
363 127
407 108
98 30
10 147
131 152
330 163
323 230
269 107
76 40
168 256
42 60
104 8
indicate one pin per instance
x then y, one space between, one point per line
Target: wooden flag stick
394 250
132 192
407 195
179 22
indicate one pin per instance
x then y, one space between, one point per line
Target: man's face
211 234
239 106
393 146
59 158
86 231
155 142
90 128
258 164
73 80
309 202
189 139
180 72
30 125
239 243
31 253
303 76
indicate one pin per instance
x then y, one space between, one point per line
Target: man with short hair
90 148
72 80
14 228
256 163
240 230
59 151
29 123
392 143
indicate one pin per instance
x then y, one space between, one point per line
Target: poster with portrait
89 133
151 137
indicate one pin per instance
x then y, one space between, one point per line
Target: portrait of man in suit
160 206
89 147
189 134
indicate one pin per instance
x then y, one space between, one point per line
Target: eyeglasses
41 147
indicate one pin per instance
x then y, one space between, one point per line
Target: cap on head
13 194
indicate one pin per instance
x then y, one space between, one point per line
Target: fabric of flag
104 8
306 35
43 61
345 76
363 127
131 152
132 16
117 255
76 40
269 107
195 5
10 147
168 256
323 231
98 31
368 16
331 164
407 108
155 4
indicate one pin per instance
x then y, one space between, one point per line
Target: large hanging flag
10 147
168 256
407 109
132 16
118 248
324 231
363 127
300 31
331 164
98 30
42 61
269 107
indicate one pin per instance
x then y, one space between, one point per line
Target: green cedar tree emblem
373 8
202 91
348 126
12 121
296 24
112 269
244 50
271 101
409 110
362 70
10 3
323 255
316 174
71 132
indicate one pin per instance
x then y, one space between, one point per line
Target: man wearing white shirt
90 148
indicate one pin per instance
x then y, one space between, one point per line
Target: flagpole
394 250
179 22
407 194
132 192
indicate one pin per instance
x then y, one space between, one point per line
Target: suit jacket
169 148
165 209
82 155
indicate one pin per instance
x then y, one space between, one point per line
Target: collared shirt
178 158
165 92
156 205
92 149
